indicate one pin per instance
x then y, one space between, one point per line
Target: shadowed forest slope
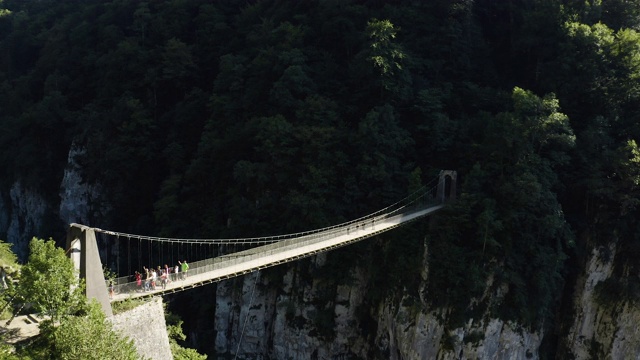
230 119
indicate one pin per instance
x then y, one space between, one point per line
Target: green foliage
3 11
49 281
90 337
456 270
126 305
617 290
7 352
108 274
10 270
628 166
519 232
448 341
76 330
222 119
176 335
8 258
385 56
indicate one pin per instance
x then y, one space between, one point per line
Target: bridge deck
225 267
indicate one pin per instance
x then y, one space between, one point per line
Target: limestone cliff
405 334
78 199
600 331
25 212
300 322
288 318
22 212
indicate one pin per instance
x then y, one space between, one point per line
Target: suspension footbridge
255 253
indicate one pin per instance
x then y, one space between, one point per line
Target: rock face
297 320
407 335
21 217
602 331
81 202
247 324
78 199
24 211
145 325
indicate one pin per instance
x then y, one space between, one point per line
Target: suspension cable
128 256
246 319
139 254
106 260
118 256
398 206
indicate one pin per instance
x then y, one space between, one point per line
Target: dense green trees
74 329
509 228
174 330
228 119
49 281
87 336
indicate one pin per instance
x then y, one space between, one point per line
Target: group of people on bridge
150 279
161 276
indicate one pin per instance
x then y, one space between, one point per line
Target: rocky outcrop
287 321
300 322
82 202
602 330
145 325
317 323
24 210
409 334
78 199
246 325
21 217
588 313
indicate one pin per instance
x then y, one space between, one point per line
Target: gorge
229 119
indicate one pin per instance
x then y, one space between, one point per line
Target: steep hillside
230 119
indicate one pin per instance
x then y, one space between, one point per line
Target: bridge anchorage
220 259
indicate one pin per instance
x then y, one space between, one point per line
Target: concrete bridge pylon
81 240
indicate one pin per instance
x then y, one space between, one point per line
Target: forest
252 118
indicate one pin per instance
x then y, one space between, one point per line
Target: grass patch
126 305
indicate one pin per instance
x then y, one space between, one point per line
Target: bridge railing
422 198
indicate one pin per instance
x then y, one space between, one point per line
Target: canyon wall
296 316
599 331
299 322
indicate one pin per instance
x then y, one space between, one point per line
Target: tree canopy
74 328
49 281
232 119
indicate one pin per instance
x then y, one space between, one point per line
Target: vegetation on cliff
74 328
